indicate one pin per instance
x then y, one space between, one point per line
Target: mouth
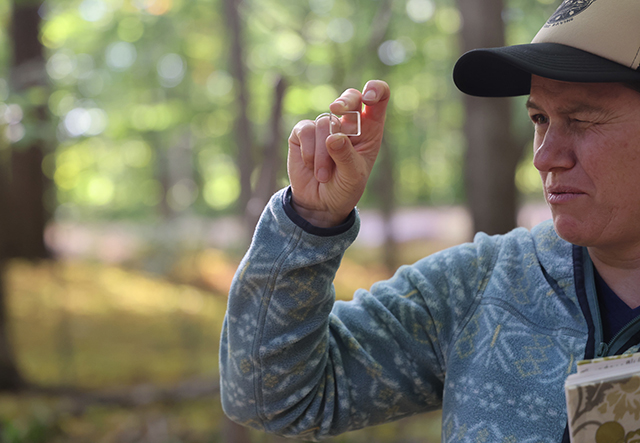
563 195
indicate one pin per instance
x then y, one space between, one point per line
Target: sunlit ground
120 328
103 327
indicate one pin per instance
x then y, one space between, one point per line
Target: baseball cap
583 41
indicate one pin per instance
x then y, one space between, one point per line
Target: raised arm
291 361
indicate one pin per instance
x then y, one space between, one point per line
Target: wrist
321 219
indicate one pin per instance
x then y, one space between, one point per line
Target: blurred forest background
139 142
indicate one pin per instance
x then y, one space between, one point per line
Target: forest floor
141 349
133 322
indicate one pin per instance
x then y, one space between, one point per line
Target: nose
553 150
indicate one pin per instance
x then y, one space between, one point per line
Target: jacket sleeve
293 363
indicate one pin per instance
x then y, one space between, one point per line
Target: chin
570 230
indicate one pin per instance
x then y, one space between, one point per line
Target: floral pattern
610 410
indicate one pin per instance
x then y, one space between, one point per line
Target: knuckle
322 124
302 124
302 129
307 128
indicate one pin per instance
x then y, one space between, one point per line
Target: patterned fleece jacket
488 331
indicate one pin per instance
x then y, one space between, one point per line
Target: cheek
631 154
617 167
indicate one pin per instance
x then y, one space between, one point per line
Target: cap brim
506 71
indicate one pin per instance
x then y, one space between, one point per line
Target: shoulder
554 254
542 240
521 249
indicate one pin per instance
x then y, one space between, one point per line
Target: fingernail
369 95
337 143
341 103
322 175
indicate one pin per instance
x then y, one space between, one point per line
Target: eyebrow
571 109
531 104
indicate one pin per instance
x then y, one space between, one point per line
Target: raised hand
328 173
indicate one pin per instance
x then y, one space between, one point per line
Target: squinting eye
539 119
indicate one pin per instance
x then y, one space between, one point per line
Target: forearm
294 363
275 340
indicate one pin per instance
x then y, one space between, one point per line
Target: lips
563 194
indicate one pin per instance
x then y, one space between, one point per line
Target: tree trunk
10 378
492 154
22 183
272 162
243 126
27 185
385 193
28 216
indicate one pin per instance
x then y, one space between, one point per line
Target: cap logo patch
567 11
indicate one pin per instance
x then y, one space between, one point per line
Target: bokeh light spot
222 188
136 153
420 11
321 7
61 64
171 69
81 121
12 114
340 30
98 123
155 7
392 52
406 98
77 122
322 96
182 195
100 190
15 132
528 179
121 55
219 84
296 101
93 10
290 45
130 29
448 20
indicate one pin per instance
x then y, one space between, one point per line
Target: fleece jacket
487 331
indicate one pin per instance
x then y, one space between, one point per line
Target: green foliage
156 74
34 430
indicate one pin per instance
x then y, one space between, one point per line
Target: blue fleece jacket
488 331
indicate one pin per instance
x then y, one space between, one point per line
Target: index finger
375 97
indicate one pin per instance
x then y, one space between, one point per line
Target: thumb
343 154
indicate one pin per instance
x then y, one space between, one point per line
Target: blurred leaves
154 73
